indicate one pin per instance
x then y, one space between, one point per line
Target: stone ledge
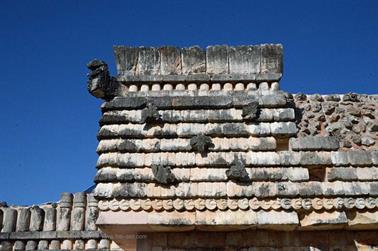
200 174
197 116
219 190
235 100
199 78
183 145
254 204
175 221
224 204
214 159
188 130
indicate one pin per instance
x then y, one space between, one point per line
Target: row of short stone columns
45 226
74 212
273 86
104 244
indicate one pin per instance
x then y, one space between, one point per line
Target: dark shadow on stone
127 146
153 124
201 144
237 172
151 117
163 175
298 114
251 111
150 114
220 162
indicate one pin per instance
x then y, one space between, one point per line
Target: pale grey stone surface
23 220
49 223
36 218
170 60
9 220
314 143
127 58
193 60
244 59
277 218
148 61
217 59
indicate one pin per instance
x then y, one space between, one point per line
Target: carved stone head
98 78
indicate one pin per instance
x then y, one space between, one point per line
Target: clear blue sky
49 121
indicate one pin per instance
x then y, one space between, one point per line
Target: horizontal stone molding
234 190
233 100
200 220
197 174
251 158
215 159
183 145
198 116
230 205
188 130
199 78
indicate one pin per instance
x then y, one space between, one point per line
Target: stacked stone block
294 177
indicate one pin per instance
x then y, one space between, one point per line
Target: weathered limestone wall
198 139
262 240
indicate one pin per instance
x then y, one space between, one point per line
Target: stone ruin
200 150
